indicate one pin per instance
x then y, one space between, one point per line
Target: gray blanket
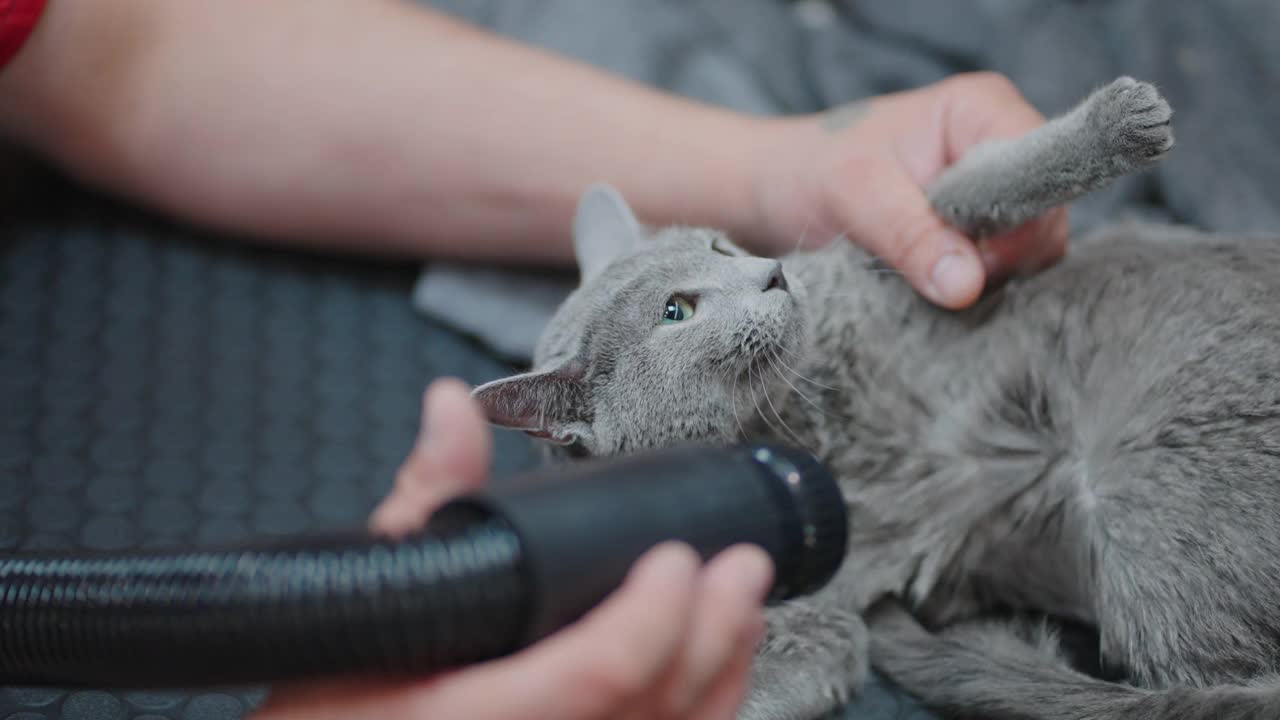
1214 59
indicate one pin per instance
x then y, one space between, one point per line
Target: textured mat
161 388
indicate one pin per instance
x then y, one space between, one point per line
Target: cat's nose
776 279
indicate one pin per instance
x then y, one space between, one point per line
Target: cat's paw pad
1131 120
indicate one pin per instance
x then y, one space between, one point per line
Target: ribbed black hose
319 606
489 574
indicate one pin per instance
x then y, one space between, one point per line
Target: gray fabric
468 297
1214 61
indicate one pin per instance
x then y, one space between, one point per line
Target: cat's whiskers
838 295
764 388
842 236
777 360
839 237
793 353
733 399
756 402
804 232
801 358
871 269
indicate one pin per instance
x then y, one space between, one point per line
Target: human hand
859 170
675 641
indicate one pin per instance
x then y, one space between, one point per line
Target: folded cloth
505 308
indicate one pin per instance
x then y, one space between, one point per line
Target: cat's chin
770 351
776 323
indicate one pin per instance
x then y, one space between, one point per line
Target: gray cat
1099 442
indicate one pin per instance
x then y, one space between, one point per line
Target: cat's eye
677 308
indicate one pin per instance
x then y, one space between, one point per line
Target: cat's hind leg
1121 128
1014 671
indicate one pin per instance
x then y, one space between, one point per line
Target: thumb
891 217
451 456
454 439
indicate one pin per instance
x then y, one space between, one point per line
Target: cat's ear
548 404
604 228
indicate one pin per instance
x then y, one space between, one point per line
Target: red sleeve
17 19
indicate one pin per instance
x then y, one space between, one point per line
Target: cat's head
658 345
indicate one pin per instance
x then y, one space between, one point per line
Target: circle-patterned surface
159 389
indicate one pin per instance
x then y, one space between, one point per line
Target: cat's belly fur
993 455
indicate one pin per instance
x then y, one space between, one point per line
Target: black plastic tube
490 574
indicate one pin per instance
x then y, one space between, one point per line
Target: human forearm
375 125
378 125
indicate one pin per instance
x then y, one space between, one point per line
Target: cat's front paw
812 661
1132 120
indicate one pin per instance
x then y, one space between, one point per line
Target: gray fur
991 669
1001 184
1099 441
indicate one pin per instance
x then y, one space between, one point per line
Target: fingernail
757 574
954 278
669 558
433 414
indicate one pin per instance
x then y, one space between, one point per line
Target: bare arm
381 126
376 125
